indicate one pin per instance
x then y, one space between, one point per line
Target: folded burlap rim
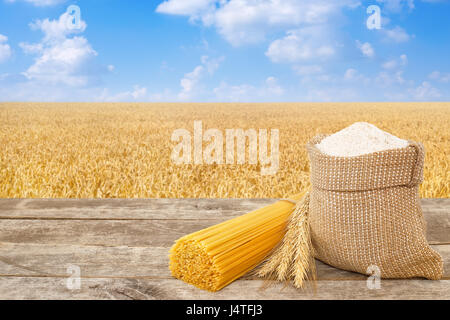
377 170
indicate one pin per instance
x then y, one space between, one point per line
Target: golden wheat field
75 150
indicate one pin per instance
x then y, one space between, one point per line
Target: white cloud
391 64
14 90
225 92
192 8
269 91
63 63
350 74
305 70
31 48
318 79
353 75
40 3
300 45
355 86
211 65
425 92
137 94
273 87
64 66
5 49
62 57
397 34
394 63
366 49
191 82
396 6
328 94
309 26
325 78
403 59
249 21
439 76
58 29
244 21
386 79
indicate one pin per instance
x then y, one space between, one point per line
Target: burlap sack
365 211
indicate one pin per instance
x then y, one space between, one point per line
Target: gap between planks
151 209
82 234
140 233
123 262
101 288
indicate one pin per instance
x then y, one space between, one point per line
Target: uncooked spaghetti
214 257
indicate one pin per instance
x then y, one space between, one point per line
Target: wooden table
121 249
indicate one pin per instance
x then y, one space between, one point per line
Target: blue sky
224 50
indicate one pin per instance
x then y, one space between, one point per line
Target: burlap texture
365 211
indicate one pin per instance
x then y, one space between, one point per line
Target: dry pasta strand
214 257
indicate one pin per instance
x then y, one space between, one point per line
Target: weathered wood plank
132 233
150 209
145 233
128 209
438 227
125 262
122 245
94 261
55 288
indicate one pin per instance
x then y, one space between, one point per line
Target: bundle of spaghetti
214 257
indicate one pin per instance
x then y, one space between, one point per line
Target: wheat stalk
293 258
90 150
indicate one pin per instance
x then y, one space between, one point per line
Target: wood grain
151 209
121 262
140 233
137 289
90 228
121 247
129 209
